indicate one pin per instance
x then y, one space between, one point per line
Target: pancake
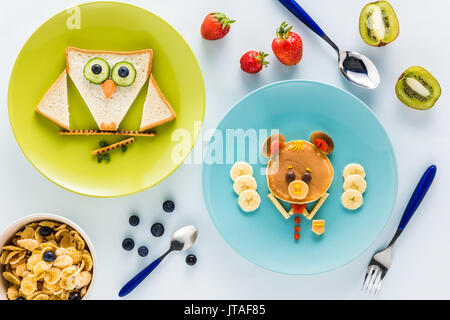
297 156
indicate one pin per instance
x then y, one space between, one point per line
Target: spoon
182 239
355 67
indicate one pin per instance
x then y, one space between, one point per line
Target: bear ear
267 145
322 141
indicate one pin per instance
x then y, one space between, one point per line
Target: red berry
275 147
215 26
253 62
321 144
298 208
297 220
287 46
297 229
296 236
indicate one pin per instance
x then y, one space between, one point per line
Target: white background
420 138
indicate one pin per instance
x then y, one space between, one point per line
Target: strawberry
321 144
287 46
253 62
298 208
215 26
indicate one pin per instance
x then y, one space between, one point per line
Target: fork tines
373 279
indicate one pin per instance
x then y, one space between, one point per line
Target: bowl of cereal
45 257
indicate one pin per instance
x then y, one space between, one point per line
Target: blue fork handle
133 283
298 11
418 195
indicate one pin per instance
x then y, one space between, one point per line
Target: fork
382 260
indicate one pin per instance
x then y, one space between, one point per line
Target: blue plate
298 108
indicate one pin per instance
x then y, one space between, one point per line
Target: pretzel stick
317 206
106 133
113 146
278 205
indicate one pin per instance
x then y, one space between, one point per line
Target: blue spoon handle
133 283
298 11
418 195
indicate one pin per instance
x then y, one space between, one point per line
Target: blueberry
191 259
143 251
20 298
45 231
128 244
49 256
96 69
290 176
123 72
157 230
74 295
134 220
168 206
307 177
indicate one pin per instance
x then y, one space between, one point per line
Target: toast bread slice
157 109
108 113
54 104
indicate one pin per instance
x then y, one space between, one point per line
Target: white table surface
422 259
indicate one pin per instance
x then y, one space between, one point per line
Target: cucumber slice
96 70
123 74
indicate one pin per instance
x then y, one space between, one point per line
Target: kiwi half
417 88
378 24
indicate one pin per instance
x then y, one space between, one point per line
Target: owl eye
96 70
123 74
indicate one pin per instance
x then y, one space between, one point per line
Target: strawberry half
253 61
287 46
215 26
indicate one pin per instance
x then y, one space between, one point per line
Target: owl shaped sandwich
108 82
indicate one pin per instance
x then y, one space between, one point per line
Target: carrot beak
108 88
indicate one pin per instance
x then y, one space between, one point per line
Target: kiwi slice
123 74
378 24
96 70
417 88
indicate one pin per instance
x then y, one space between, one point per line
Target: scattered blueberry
123 72
96 69
168 206
49 256
307 177
143 251
74 295
45 231
157 229
191 259
290 176
134 220
20 298
128 244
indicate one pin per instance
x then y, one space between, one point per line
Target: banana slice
352 199
249 200
298 189
355 182
244 182
354 168
240 169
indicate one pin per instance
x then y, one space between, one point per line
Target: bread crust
59 123
150 51
150 126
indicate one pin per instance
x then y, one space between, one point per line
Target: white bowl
9 232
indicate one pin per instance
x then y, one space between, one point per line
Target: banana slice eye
96 70
123 74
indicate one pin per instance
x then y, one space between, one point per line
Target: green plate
67 160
